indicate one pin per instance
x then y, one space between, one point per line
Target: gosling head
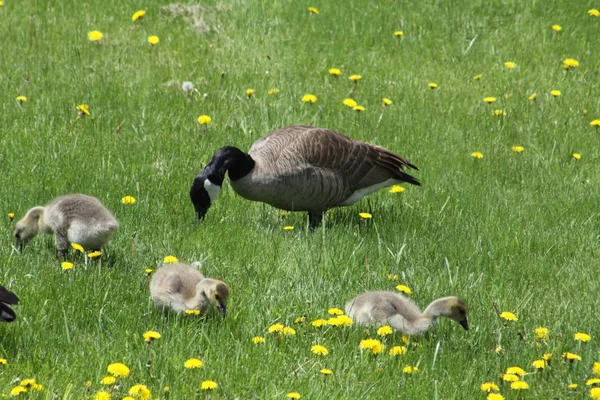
216 292
456 309
28 227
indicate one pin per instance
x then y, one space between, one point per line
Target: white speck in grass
187 86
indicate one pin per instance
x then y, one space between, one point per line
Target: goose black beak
222 309
465 324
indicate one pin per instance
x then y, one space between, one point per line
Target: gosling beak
19 244
465 324
222 309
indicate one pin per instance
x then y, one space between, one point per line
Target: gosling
182 287
74 218
7 298
380 308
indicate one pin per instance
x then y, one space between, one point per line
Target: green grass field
520 230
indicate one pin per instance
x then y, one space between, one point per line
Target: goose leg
314 219
62 243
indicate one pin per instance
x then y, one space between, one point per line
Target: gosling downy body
74 218
381 308
182 287
301 168
7 298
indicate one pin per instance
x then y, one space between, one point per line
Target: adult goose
301 168
7 298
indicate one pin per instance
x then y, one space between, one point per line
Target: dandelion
499 113
532 96
77 247
570 63
582 337
592 381
358 108
595 123
576 156
11 216
373 345
555 93
140 392
397 351
83 109
288 228
489 386
128 200
335 311
489 100
153 40
94 254
547 357
313 10
572 386
518 149
192 312
276 328
477 154
355 78
3 361
341 320
539 364
350 103
510 64
516 371
21 99
507 315
273 91
108 380
319 350
149 336
365 215
204 120
102 395
594 13
542 333
404 289
170 260
510 378
326 371
498 349
392 277
66 266
293 395
335 71
187 86
309 98
385 330
596 368
410 370
519 385
193 363
138 15
119 370
250 92
288 331
208 385
571 356
494 396
258 339
432 85
299 320
398 33
319 323
556 28
595 393
94 36
386 101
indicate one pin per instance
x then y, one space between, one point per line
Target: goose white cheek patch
212 189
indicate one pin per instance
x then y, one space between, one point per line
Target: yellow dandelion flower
392 277
326 371
539 364
83 109
358 108
489 100
299 320
542 333
510 64
21 99
170 260
128 398
128 200
477 77
499 113
119 370
398 33
410 369
138 15
594 13
595 123
319 350
94 36
404 289
570 63
385 330
572 386
507 315
293 395
335 71
140 392
3 361
355 78
494 396
386 101
1 3
28 383
66 265
365 215
373 345
94 254
432 85
595 392
519 385
547 356
319 323
288 228
576 156
273 91
518 149
11 215
108 380
571 356
515 371
510 378
288 331
77 247
596 368
498 349
592 381
532 96
166 389
204 120
153 40
582 337
149 336
489 386
343 320
102 395
276 328
556 28
148 271
258 339
350 103
192 312
208 385
193 363
555 93
397 351
313 10
88 384
309 98
405 339
477 154
335 311
250 92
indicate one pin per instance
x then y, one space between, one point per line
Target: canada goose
74 218
7 297
182 287
379 308
301 168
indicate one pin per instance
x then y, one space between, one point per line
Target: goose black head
202 193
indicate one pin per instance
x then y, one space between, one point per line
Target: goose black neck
231 159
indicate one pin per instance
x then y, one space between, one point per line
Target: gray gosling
74 218
401 313
182 287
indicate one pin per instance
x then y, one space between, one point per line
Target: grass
517 230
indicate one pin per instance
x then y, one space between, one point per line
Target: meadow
507 215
